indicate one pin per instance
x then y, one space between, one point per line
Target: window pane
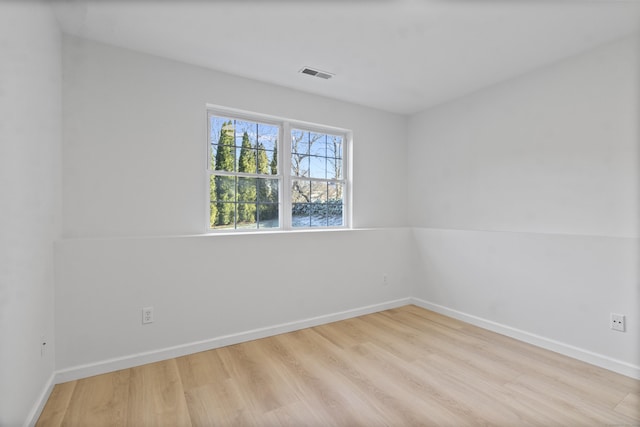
335 204
317 167
247 160
335 191
300 215
212 159
334 168
225 188
267 190
247 191
300 191
273 162
317 144
319 215
299 165
268 216
217 124
222 140
223 192
242 127
299 141
334 146
226 214
225 158
246 216
268 137
318 192
264 161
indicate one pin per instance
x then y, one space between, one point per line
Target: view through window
248 187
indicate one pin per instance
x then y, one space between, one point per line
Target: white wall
528 210
135 131
30 135
134 182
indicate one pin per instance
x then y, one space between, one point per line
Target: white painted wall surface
135 133
134 191
30 144
528 209
204 287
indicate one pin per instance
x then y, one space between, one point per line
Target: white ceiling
396 55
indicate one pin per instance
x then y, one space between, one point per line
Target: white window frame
284 168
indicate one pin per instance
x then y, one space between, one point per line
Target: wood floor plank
405 366
156 396
57 405
630 406
200 369
99 401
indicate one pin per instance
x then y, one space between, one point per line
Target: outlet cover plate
618 322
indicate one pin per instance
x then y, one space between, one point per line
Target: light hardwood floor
401 367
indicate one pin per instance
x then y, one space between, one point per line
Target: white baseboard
131 361
596 359
35 412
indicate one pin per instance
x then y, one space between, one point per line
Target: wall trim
115 364
38 406
590 357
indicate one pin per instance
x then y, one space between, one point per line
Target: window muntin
246 178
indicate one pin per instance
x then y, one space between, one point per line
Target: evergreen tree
264 187
263 160
225 186
247 186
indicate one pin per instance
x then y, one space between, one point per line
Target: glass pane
268 216
319 214
225 216
217 124
221 137
247 191
267 190
212 159
317 167
334 146
299 164
334 168
335 205
246 215
318 144
267 137
273 162
318 192
242 127
225 158
225 188
299 141
300 215
300 191
264 161
247 160
335 191
213 214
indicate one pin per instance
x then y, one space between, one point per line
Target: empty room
321 213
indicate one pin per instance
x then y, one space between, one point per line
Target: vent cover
316 73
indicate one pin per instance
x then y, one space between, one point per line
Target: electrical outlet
385 280
147 315
617 322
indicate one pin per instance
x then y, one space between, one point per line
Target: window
265 174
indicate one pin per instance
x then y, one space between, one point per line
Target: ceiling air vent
316 73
